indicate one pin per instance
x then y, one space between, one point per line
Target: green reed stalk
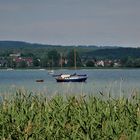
29 116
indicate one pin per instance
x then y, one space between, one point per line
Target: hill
36 48
99 52
115 53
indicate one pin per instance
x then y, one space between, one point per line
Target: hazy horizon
71 22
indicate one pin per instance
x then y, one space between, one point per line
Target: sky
71 22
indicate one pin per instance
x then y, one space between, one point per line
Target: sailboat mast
75 59
52 63
61 59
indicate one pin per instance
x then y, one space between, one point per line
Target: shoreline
71 68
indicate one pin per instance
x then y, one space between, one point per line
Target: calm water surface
117 82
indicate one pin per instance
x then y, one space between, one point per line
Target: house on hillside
15 55
27 61
100 63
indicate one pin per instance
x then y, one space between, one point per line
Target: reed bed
34 117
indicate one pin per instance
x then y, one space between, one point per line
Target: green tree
137 62
44 61
22 64
131 62
36 62
90 63
9 61
53 58
72 56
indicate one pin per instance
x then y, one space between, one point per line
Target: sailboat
71 77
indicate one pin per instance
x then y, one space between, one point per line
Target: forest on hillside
41 55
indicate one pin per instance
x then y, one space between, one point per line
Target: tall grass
33 117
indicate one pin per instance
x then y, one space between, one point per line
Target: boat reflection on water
51 72
71 78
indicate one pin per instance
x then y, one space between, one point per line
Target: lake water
117 82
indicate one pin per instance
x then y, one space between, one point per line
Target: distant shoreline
70 68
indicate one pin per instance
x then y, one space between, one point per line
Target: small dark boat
40 80
71 78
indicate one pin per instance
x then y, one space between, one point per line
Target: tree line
47 59
47 56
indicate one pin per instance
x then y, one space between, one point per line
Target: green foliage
36 62
44 60
90 63
49 55
22 64
53 57
131 62
114 53
71 59
28 116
